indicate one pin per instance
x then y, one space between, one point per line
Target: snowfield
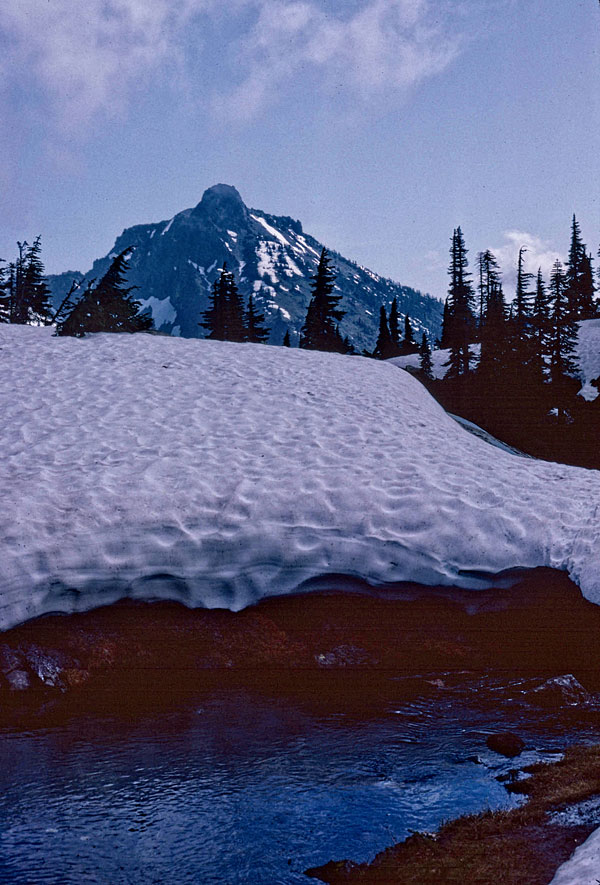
217 473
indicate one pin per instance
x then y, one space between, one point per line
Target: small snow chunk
168 227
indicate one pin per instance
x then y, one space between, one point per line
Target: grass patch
517 847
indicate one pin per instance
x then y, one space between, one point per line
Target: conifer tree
493 335
4 293
29 291
563 333
444 339
409 345
213 318
255 329
286 339
522 302
540 322
425 363
384 347
224 318
108 306
235 327
460 321
587 288
319 331
394 324
573 273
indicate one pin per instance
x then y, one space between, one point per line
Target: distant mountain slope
176 261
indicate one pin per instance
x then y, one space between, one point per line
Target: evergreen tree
425 358
444 339
224 318
394 324
409 345
235 327
522 302
213 318
255 329
286 339
573 275
540 321
319 331
108 306
563 332
384 347
493 335
460 322
4 293
587 289
29 292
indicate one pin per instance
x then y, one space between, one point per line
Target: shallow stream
239 788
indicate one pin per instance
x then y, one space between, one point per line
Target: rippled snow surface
218 473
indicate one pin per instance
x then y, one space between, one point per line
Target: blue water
237 789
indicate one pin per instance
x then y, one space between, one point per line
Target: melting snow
274 233
584 866
168 227
267 254
142 466
305 245
232 234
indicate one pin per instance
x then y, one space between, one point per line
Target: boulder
506 744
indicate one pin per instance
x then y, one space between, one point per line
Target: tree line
522 386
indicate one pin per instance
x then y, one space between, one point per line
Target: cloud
383 46
80 61
539 253
86 57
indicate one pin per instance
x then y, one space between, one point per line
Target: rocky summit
175 262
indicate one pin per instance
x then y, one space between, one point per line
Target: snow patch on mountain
216 474
273 231
161 309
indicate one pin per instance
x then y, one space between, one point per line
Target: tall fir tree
563 330
255 328
425 363
320 331
460 322
108 306
409 345
235 326
286 339
224 318
522 302
573 273
394 324
384 347
540 322
493 335
29 291
4 292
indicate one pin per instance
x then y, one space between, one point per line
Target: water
238 789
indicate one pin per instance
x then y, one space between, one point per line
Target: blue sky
381 124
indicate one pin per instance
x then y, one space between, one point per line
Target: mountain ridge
176 260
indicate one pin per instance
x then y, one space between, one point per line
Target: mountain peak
221 202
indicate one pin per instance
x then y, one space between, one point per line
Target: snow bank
588 354
217 473
588 358
584 866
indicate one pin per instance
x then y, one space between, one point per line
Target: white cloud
382 46
86 57
540 253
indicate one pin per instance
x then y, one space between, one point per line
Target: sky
381 124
